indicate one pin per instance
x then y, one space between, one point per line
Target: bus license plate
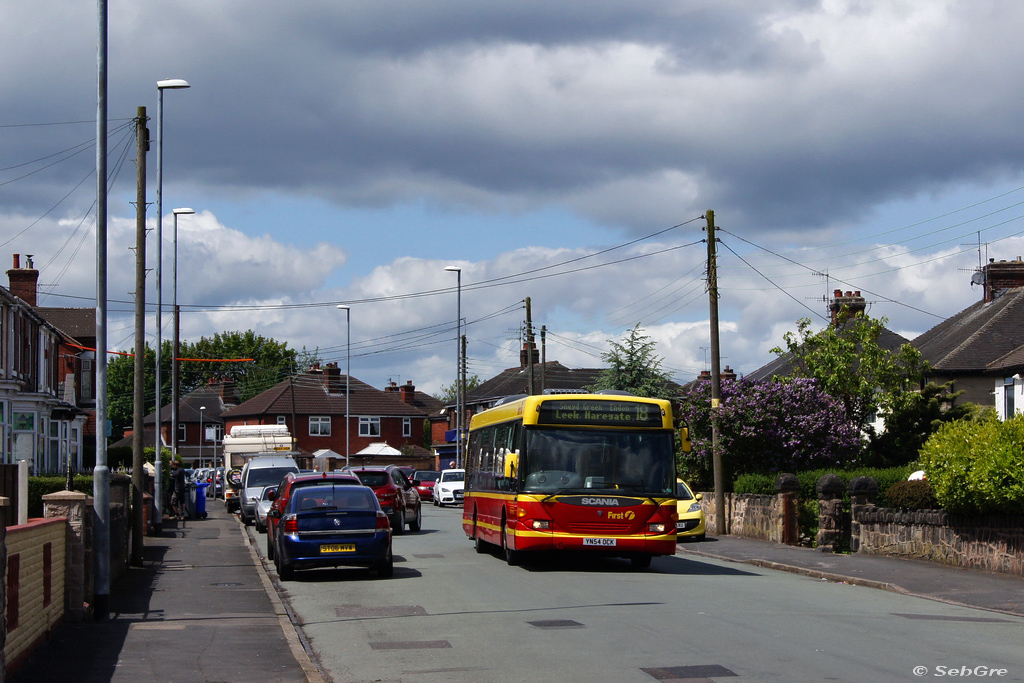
338 548
599 541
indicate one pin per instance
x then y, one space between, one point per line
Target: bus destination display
600 413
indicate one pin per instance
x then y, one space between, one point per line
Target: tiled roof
307 394
516 381
982 336
79 323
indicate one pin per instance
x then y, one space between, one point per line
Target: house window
407 426
282 419
1009 389
181 432
369 426
319 425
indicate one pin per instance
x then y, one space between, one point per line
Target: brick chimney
999 277
332 379
524 355
24 281
854 303
408 393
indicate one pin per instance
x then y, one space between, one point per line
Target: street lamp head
342 307
172 84
183 210
453 269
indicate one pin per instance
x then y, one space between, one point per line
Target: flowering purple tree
766 427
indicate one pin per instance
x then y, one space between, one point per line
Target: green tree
910 419
211 358
850 365
634 367
446 394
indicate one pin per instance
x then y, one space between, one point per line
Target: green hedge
977 467
40 486
765 483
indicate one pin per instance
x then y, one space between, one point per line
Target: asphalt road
450 614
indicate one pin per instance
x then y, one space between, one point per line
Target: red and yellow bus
583 472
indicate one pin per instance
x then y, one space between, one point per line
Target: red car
426 479
396 494
292 481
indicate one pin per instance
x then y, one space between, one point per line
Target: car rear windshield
373 478
267 476
426 476
341 498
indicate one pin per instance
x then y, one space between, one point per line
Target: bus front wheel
512 557
642 561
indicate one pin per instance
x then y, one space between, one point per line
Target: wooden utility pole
529 348
139 412
716 376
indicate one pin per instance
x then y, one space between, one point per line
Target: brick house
41 420
981 348
313 406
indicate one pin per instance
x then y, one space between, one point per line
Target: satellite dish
978 278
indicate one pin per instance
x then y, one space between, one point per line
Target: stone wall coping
35 523
66 495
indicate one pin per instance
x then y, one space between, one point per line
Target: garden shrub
911 495
40 486
977 467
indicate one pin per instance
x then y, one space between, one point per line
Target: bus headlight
540 524
656 528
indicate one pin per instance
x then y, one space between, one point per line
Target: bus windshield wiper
559 492
642 492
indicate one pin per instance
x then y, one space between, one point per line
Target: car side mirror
416 482
699 496
272 494
276 514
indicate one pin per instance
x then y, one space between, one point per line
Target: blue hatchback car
332 525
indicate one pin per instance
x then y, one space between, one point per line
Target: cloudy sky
343 152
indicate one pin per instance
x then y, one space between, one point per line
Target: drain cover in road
556 623
683 672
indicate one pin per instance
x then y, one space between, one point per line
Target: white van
259 473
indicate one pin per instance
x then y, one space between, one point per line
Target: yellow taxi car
690 526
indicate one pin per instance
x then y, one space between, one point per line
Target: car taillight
386 495
382 521
291 524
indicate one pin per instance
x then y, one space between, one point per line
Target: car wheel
699 537
386 569
512 557
398 524
285 571
436 504
270 548
418 522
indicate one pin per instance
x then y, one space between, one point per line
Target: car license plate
338 548
608 542
458 495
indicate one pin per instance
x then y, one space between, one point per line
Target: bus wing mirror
511 465
684 436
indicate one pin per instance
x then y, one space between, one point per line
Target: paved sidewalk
200 609
987 590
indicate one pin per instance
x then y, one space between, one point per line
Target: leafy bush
760 484
977 467
911 495
766 427
40 486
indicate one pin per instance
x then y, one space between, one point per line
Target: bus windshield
565 460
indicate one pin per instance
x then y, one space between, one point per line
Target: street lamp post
458 366
174 349
348 373
202 434
167 84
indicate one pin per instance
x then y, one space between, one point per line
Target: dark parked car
296 480
332 525
396 493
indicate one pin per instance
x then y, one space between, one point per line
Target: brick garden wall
35 584
992 543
